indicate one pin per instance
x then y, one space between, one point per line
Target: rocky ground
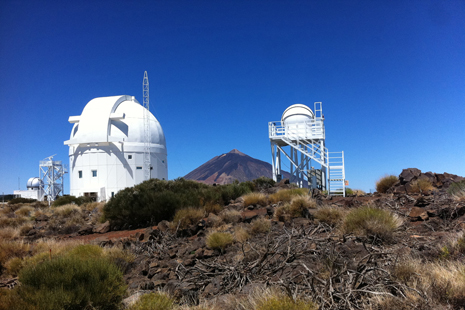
301 255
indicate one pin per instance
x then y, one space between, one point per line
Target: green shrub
263 183
371 222
385 183
219 240
277 302
349 192
153 301
64 200
155 200
72 282
21 200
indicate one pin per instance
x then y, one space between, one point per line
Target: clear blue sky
390 74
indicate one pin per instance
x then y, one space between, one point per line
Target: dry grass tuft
24 211
330 215
214 208
219 240
358 192
420 186
372 222
384 183
187 216
9 233
66 210
295 208
153 301
260 226
10 249
286 195
230 216
241 234
255 199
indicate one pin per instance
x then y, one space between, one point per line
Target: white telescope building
108 144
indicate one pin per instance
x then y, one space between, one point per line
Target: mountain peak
236 151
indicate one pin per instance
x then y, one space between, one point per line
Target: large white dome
114 119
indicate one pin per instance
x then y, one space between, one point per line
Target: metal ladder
336 186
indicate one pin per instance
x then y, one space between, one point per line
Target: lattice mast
147 137
52 173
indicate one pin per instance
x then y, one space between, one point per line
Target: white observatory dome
297 113
108 147
34 183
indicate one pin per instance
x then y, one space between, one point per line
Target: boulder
408 175
418 214
102 228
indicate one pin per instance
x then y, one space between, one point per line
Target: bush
72 281
260 226
371 222
219 240
155 200
66 210
457 189
187 217
358 192
329 215
385 183
9 249
295 208
286 195
282 302
21 200
241 234
263 183
349 192
64 200
255 199
24 211
153 301
420 186
230 216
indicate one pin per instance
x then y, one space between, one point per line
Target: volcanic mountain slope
226 168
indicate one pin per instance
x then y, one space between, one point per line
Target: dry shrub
274 299
24 211
329 215
241 234
10 249
286 195
211 207
446 282
358 192
420 186
260 226
14 266
219 240
186 217
9 233
255 199
24 229
66 210
295 208
13 221
385 183
406 270
282 213
372 222
457 190
91 206
230 216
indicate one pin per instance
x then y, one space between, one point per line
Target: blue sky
390 74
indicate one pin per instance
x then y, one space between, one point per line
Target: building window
129 156
80 174
94 173
112 194
163 161
139 168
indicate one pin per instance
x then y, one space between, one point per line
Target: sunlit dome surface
297 112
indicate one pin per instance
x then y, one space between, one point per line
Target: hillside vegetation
249 246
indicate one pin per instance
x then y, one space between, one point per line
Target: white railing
309 130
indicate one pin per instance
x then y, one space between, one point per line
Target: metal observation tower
300 137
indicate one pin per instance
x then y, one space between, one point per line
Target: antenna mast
145 90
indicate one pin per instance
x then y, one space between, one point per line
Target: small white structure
52 174
106 147
303 131
34 190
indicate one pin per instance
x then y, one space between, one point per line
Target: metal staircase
307 138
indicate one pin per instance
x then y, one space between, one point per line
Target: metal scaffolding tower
147 137
52 173
302 133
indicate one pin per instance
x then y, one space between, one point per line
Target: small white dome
297 113
34 183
